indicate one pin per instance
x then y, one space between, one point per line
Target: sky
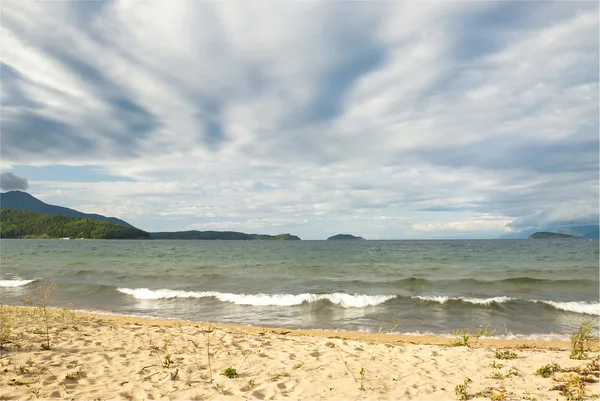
388 120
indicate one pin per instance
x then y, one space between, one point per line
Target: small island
345 237
549 235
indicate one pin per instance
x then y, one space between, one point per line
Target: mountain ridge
589 231
19 200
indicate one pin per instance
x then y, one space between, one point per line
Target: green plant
462 337
548 370
461 389
251 383
230 372
23 369
484 332
505 354
581 340
529 398
571 386
496 365
167 362
297 366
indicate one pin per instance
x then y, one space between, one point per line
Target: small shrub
167 362
462 337
505 354
461 390
548 370
497 376
581 340
251 383
230 372
497 365
484 332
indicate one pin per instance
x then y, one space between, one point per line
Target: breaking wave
15 283
341 299
349 300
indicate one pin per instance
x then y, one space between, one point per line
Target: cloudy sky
386 120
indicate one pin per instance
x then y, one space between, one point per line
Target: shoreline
388 338
97 356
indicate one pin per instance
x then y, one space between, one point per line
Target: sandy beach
104 357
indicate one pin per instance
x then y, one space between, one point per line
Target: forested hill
23 224
23 201
220 235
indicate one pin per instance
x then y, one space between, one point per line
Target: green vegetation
230 372
462 336
505 355
461 389
221 235
22 224
548 370
581 340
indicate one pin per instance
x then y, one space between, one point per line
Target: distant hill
345 237
588 231
23 201
549 235
220 235
24 224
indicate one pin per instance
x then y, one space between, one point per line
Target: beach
101 357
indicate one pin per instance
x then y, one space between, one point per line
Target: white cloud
333 115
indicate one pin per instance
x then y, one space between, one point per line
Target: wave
511 280
582 307
587 308
477 301
15 283
350 300
341 299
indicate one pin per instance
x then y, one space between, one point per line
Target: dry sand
98 357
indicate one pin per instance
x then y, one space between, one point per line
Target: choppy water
534 288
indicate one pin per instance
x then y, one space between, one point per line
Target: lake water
523 288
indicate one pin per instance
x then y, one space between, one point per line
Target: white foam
476 301
15 283
341 299
587 308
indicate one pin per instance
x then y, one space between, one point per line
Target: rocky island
345 237
549 235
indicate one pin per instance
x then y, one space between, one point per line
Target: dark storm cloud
10 182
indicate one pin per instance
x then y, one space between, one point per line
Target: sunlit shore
90 356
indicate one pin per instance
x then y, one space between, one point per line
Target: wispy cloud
333 114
